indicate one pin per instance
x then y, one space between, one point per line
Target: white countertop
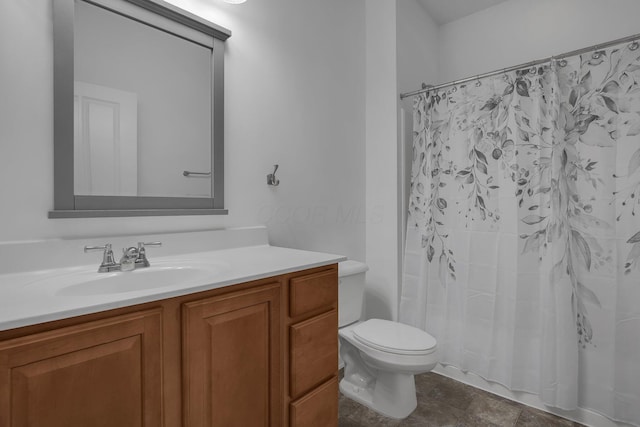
31 297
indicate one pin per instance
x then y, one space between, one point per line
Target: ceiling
443 11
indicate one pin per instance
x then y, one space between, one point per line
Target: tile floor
445 402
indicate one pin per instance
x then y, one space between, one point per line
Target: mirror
138 119
139 90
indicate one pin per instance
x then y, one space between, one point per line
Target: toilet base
393 395
380 380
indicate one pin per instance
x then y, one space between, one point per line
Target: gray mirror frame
69 205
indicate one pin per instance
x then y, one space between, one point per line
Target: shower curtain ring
427 88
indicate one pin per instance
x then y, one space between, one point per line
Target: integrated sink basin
50 280
162 275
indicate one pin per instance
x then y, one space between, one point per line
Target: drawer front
319 408
314 352
313 292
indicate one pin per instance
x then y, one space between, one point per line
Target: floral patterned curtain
523 239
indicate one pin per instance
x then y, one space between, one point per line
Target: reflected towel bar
190 173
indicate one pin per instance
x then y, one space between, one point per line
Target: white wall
417 63
401 46
295 95
381 161
518 31
417 43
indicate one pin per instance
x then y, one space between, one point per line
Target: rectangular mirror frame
183 24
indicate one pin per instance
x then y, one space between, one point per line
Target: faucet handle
108 260
105 247
141 245
142 260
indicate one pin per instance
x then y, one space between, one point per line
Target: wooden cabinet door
231 359
103 373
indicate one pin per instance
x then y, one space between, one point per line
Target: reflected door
105 141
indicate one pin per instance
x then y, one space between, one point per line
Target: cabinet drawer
314 352
313 292
319 408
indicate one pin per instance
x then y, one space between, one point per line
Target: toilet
380 357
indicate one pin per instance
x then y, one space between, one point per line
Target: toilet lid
394 337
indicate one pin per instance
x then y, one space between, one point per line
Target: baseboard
580 415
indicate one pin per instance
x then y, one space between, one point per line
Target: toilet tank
351 279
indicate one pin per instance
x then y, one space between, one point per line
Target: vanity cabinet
262 353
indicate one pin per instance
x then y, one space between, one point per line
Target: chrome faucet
131 259
108 261
128 260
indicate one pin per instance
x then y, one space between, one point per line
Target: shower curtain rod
427 88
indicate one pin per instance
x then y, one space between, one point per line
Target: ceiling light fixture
235 1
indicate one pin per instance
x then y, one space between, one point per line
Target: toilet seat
395 338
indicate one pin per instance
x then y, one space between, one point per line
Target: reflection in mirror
142 109
139 110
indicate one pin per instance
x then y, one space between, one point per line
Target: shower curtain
522 255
